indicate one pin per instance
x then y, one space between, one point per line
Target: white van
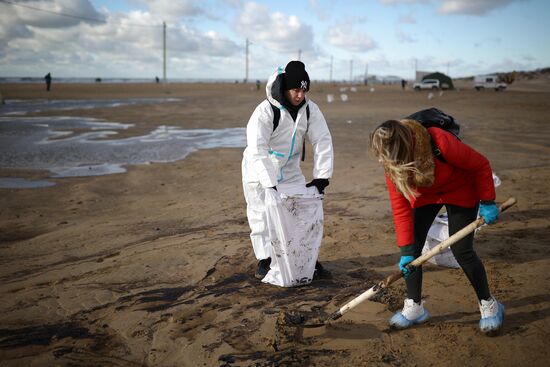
490 82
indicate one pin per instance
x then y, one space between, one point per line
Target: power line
73 15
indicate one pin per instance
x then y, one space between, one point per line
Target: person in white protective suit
271 160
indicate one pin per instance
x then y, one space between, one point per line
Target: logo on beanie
303 85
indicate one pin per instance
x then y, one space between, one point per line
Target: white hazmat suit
272 157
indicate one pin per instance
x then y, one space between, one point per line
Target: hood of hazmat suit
272 156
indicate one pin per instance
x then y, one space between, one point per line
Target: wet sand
153 267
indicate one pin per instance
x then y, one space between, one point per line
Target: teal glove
402 265
407 253
489 211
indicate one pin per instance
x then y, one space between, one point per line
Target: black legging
463 250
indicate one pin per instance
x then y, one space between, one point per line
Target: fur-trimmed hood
423 155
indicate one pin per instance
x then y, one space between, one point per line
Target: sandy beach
154 267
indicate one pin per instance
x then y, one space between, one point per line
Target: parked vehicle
490 82
427 84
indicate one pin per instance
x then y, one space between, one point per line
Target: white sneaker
412 313
492 316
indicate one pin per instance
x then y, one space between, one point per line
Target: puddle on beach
81 149
21 183
14 107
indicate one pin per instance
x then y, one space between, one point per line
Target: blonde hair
392 142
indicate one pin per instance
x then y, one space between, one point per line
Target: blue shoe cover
491 325
398 321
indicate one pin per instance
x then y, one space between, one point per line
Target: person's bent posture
419 186
276 135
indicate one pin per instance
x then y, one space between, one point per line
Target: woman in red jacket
419 185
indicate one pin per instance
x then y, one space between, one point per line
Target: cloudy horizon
107 39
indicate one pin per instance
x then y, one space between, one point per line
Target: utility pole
330 77
299 55
164 52
351 71
366 73
246 74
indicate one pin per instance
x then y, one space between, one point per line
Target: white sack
295 226
439 232
496 180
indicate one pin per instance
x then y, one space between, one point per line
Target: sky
336 39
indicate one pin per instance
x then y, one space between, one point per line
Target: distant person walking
403 84
48 79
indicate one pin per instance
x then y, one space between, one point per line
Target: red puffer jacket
464 180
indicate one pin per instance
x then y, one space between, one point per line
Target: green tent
445 81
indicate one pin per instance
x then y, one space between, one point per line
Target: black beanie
296 76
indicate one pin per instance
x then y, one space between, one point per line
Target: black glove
319 183
273 187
